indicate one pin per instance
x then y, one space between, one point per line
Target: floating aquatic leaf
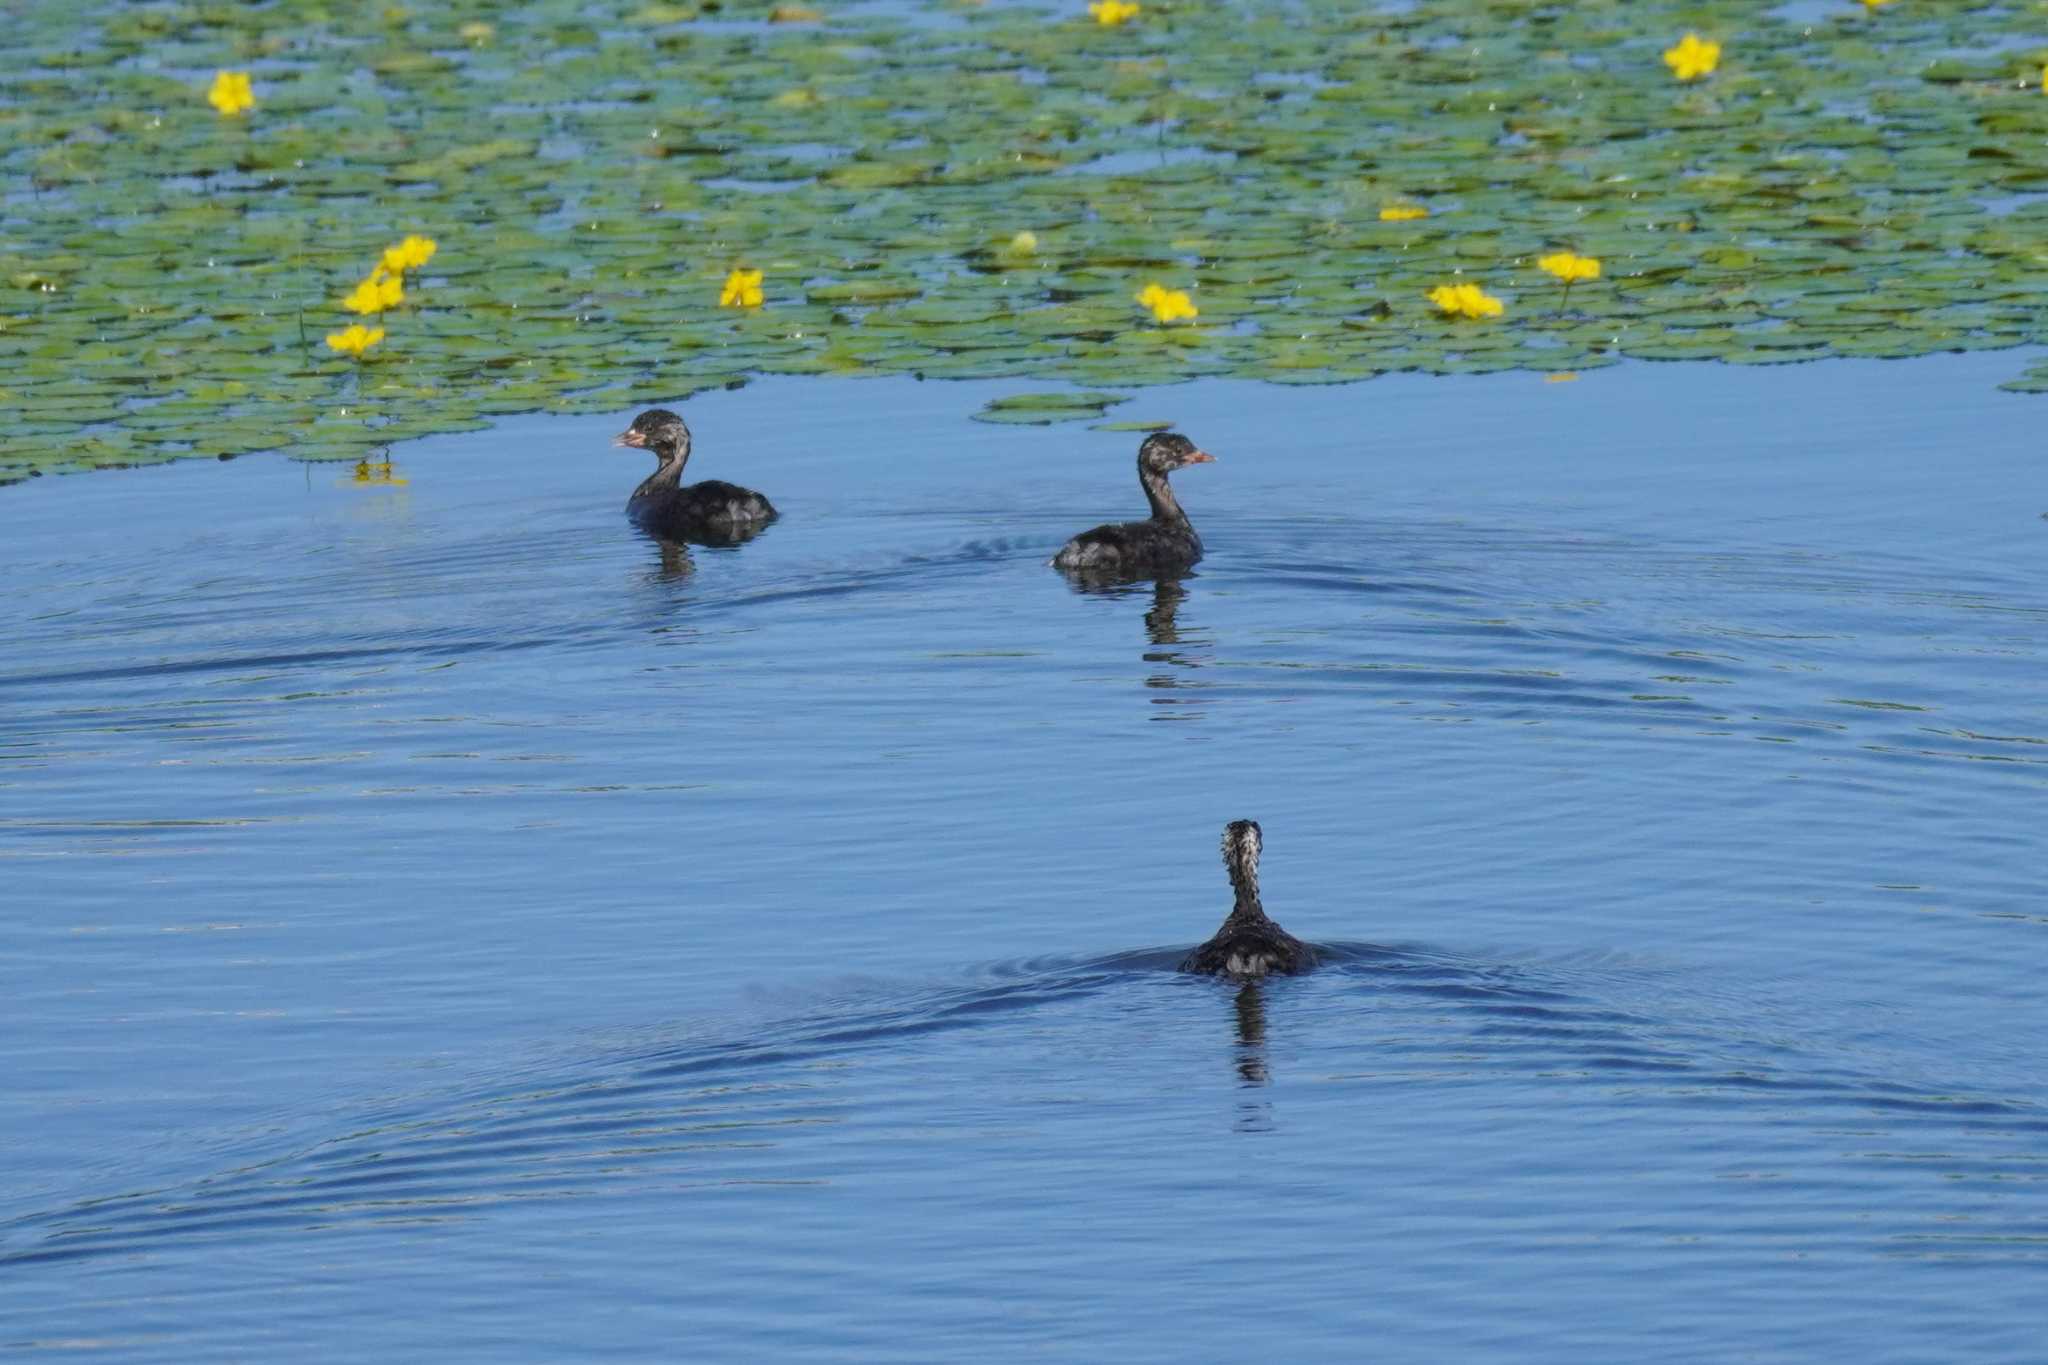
592 169
1041 409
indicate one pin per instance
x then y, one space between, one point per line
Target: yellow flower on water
410 254
1569 267
230 93
380 291
1465 301
1167 305
1023 244
1873 4
742 289
355 340
1402 213
1692 58
1110 13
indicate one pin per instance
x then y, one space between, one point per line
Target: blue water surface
441 923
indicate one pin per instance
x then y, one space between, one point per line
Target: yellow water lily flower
355 340
1873 4
1167 305
1693 57
380 291
410 254
1024 243
1402 213
1465 301
230 93
1569 267
1110 13
742 289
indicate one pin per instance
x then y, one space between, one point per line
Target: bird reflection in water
1168 655
1251 1035
715 538
1254 1114
676 563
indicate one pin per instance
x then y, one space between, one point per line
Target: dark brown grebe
1163 543
1248 945
713 511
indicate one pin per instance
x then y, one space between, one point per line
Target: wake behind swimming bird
1248 945
1164 542
712 512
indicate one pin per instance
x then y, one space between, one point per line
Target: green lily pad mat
1043 409
961 190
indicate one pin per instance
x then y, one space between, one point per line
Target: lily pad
593 170
1043 409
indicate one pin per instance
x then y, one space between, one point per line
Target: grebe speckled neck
713 512
1163 543
1248 945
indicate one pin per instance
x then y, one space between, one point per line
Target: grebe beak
1199 457
632 438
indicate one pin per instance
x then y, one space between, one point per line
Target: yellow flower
1873 4
356 339
1692 58
1110 13
1167 305
410 254
1465 301
230 93
382 473
1024 243
1569 267
380 291
1402 213
742 289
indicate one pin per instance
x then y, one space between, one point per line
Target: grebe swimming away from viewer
1248 945
1162 543
714 511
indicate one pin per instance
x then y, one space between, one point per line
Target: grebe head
660 431
1165 451
1241 844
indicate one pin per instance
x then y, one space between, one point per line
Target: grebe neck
1160 494
1244 883
667 475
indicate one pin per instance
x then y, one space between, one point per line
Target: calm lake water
439 927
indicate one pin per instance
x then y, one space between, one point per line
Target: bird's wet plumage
1165 542
712 512
1248 945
